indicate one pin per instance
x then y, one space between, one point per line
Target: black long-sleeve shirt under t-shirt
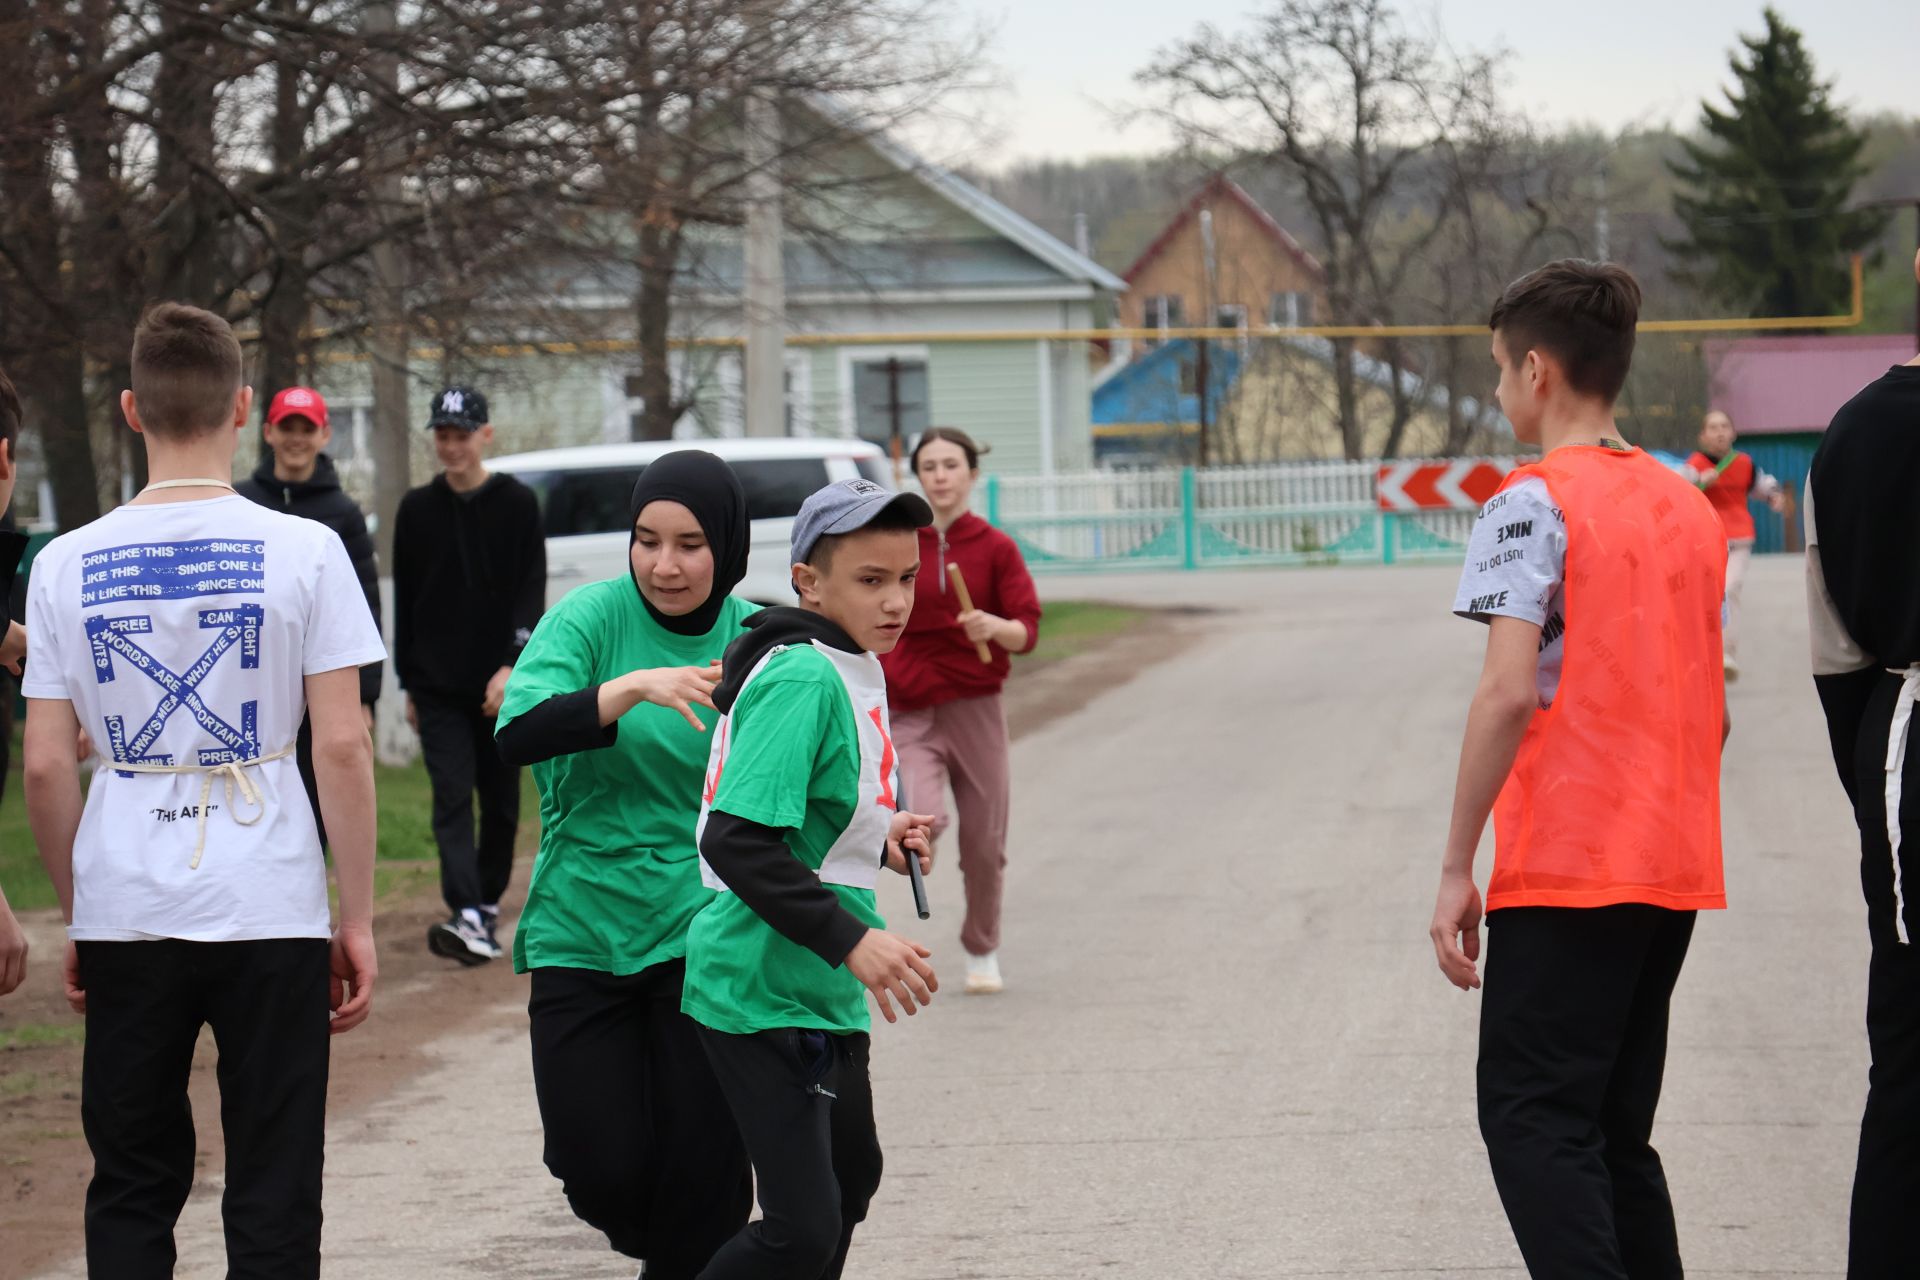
469 583
752 858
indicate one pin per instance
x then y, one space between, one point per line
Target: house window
1230 316
1291 309
886 388
636 407
1164 311
352 423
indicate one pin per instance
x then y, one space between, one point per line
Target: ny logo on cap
453 402
297 396
864 488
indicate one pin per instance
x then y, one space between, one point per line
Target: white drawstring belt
232 773
1896 766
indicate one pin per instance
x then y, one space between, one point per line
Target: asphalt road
1225 1050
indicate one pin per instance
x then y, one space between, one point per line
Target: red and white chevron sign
1464 484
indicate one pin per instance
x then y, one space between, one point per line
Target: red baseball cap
298 402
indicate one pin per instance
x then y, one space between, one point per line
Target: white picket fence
1183 517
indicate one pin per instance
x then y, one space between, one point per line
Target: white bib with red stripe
854 858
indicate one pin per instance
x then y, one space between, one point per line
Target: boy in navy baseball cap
469 585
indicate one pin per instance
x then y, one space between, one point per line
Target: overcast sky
1607 62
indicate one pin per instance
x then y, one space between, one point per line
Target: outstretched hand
677 688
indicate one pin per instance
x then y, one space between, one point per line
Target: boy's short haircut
187 367
894 519
1579 312
9 412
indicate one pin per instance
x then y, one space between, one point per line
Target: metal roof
1222 187
997 217
1796 383
641 452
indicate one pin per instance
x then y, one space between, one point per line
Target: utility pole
896 410
765 294
894 407
392 448
1916 281
1903 202
1602 228
1207 318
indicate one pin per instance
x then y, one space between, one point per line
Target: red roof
1796 383
1222 187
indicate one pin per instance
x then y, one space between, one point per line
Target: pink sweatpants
964 742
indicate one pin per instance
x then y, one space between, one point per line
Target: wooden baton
966 606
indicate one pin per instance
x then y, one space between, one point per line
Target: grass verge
406 866
1074 626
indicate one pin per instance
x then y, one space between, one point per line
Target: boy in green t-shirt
798 817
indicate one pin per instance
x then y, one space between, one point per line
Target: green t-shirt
742 976
618 875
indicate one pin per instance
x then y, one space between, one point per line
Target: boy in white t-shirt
188 632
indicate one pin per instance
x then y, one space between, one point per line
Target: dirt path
425 1008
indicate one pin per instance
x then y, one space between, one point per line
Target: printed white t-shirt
1516 568
182 633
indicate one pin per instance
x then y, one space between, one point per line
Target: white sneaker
983 975
462 937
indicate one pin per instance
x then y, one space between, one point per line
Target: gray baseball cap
846 505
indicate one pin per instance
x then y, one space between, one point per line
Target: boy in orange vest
1729 477
1594 742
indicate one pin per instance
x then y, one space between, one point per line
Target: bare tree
656 93
1355 109
254 156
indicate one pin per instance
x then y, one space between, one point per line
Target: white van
584 494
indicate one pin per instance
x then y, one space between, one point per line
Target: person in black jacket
469 583
13 942
1863 600
296 476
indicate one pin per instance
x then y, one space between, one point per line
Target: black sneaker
461 937
490 921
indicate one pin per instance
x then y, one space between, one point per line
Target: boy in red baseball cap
296 476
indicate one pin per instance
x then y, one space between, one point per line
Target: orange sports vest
1615 794
1728 493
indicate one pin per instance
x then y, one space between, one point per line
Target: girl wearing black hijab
611 705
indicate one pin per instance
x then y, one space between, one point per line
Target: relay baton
966 606
913 863
919 885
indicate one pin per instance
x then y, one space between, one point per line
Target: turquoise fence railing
1184 518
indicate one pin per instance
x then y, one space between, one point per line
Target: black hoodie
469 583
321 498
753 859
1867 526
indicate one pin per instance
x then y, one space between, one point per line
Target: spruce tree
1764 196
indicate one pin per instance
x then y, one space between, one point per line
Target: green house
912 296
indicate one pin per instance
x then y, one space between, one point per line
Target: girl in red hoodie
947 719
